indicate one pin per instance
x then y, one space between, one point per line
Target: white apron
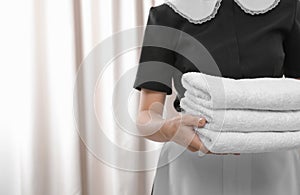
275 173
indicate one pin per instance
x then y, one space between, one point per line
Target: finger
191 149
192 120
197 144
184 136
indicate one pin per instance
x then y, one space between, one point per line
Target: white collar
199 11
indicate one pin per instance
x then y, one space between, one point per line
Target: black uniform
242 45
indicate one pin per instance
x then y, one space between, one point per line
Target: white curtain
43 45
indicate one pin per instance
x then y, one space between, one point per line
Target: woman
246 39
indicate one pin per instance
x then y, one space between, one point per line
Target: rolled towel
251 142
238 120
263 93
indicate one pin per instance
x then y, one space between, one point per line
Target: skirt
181 172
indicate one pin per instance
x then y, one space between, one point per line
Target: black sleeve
292 47
157 58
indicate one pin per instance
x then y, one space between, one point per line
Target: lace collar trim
200 11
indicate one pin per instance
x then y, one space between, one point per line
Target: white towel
246 115
251 142
244 120
263 93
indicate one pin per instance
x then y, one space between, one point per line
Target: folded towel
263 93
246 115
243 120
251 142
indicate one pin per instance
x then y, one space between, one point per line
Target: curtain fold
44 44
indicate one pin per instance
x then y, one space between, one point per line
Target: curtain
50 59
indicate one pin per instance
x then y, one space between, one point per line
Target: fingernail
201 120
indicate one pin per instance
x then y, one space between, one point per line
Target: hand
180 130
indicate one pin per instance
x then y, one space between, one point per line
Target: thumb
192 120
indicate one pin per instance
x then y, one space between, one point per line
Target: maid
230 38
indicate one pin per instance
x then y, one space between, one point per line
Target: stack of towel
244 115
